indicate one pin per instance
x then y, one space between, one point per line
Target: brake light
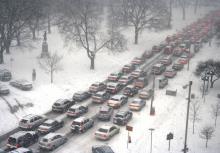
18 145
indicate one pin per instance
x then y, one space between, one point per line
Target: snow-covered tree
207 133
215 111
194 113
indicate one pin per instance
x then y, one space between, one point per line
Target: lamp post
151 135
152 109
185 149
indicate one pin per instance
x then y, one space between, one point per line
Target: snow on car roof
158 65
80 119
61 101
29 116
112 84
130 86
51 135
20 133
136 100
117 96
49 121
121 113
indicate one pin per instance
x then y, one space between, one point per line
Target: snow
76 76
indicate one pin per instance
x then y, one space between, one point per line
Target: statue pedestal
44 52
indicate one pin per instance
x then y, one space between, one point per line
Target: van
158 69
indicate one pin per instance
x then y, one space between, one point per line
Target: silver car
52 141
31 121
106 132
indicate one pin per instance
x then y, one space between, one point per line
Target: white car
117 101
137 104
106 132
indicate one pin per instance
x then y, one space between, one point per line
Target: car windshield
136 101
113 74
156 68
44 140
102 130
57 104
72 109
115 99
11 141
47 124
103 111
119 116
94 85
111 86
98 95
24 121
76 123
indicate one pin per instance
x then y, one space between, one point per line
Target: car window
44 140
11 140
112 128
102 130
24 121
32 120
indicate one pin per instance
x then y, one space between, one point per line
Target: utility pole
151 139
185 149
152 110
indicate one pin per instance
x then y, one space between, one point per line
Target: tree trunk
184 13
136 36
216 120
196 6
7 47
170 14
1 57
92 65
33 34
206 144
193 126
48 24
51 77
18 38
211 82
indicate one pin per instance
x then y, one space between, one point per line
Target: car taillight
18 145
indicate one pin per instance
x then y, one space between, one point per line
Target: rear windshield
114 99
103 130
44 140
24 121
119 116
110 86
72 109
47 124
98 95
57 104
94 85
103 111
11 141
76 123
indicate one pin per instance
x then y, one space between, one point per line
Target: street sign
129 128
170 136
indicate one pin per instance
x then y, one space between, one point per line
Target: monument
44 52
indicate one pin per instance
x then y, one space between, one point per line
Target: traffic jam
130 88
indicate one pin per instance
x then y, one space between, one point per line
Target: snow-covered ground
170 111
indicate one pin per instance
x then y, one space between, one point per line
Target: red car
170 73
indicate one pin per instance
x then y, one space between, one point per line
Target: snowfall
76 76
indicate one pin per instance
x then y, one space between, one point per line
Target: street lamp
152 109
151 131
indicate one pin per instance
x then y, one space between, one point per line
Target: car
163 81
138 73
177 52
128 68
137 104
117 101
2 151
114 87
4 90
105 113
77 110
177 66
52 141
115 76
98 86
145 93
50 125
21 84
183 47
125 80
168 50
141 82
122 117
62 105
21 150
155 49
170 73
100 97
81 124
137 61
22 139
105 132
183 59
130 90
81 95
102 149
166 61
148 54
158 69
31 121
5 75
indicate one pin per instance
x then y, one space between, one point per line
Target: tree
170 13
207 133
141 14
194 112
183 4
51 64
209 68
215 111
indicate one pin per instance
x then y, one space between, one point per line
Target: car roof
121 113
105 108
76 106
20 150
80 119
117 96
51 135
21 133
61 101
130 86
158 65
100 92
50 121
112 84
79 92
106 148
106 126
136 100
29 116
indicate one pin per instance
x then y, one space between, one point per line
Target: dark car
50 125
22 139
102 149
130 90
177 66
5 75
122 117
155 49
62 105
100 97
77 110
98 86
105 113
21 84
4 90
148 54
80 96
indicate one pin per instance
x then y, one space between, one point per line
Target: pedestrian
33 75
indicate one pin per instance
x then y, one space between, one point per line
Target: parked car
158 69
62 105
81 95
148 54
21 84
105 113
170 73
141 82
102 149
177 66
105 132
117 101
81 124
50 125
137 104
114 87
31 121
145 93
77 110
114 76
166 61
128 68
22 139
122 117
100 97
163 81
4 90
125 80
137 61
98 86
130 90
21 150
138 73
5 75
183 59
52 141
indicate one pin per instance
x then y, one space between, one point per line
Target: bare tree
196 4
170 13
194 113
141 13
51 64
215 111
183 5
207 133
